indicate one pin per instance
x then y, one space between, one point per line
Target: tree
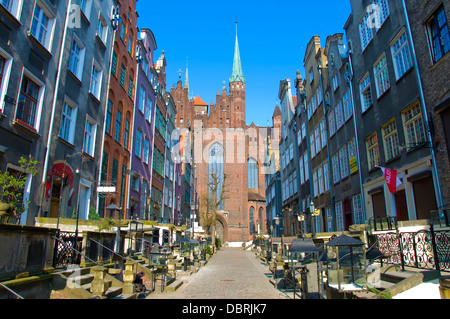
12 186
210 204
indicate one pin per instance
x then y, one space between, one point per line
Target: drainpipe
424 108
330 177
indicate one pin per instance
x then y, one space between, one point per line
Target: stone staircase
84 283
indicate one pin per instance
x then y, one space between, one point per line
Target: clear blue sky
272 39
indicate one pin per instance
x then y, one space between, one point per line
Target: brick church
225 145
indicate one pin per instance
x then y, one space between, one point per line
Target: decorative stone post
99 284
128 278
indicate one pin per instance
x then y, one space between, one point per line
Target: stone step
113 292
81 280
174 285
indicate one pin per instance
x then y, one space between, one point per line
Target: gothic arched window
251 220
252 167
215 166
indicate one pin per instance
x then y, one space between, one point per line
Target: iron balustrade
425 249
71 248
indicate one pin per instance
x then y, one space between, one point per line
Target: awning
303 245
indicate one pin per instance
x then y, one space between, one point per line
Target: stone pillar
99 284
444 287
128 278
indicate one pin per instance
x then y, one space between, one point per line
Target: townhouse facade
288 159
315 63
143 128
391 120
303 154
344 179
117 144
429 30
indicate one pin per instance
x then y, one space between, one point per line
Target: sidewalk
231 273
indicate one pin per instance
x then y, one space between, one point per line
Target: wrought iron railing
64 250
425 249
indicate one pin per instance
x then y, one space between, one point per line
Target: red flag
391 179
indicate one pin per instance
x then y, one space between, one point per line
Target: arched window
252 167
261 220
251 220
215 166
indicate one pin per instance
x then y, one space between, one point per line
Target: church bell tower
237 89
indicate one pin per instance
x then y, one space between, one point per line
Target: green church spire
237 75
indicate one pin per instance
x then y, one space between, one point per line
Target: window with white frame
141 102
323 133
13 6
332 122
306 166
102 29
148 109
138 145
438 34
314 103
339 216
373 154
28 110
401 56
304 131
89 136
366 93
291 151
294 181
317 137
390 138
384 12
358 216
42 24
5 71
347 105
339 113
309 111
76 59
315 184
326 176
86 6
335 82
329 216
96 80
320 180
351 147
319 96
335 166
302 172
312 144
68 122
414 126
365 31
381 75
343 162
311 75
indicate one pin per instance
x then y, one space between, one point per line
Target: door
83 205
401 205
379 205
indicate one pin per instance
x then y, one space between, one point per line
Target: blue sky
272 40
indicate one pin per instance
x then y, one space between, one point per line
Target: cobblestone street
231 273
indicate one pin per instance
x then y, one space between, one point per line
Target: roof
344 240
199 102
237 74
255 197
277 111
303 245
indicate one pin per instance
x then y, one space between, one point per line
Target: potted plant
12 185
